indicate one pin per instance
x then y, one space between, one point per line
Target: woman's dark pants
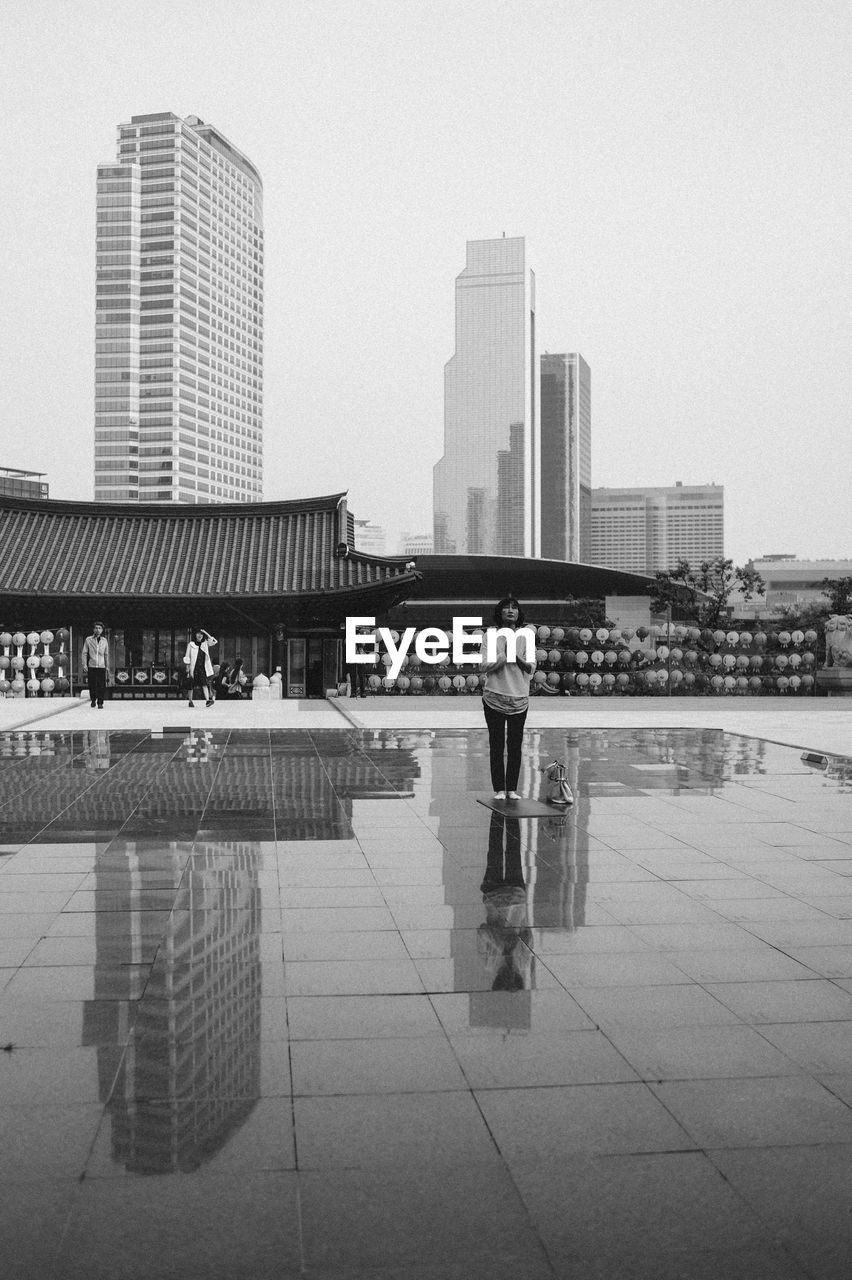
505 734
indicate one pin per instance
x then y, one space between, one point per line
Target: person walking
505 700
96 664
199 667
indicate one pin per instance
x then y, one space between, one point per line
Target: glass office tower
566 458
179 320
486 486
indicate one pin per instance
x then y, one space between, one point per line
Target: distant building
643 530
793 582
416 544
486 494
370 537
23 484
179 317
566 457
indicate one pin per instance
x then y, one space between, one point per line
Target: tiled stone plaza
279 997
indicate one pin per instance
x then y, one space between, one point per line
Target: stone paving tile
407 1075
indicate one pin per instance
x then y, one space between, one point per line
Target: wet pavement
281 1002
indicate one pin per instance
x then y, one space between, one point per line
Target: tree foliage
838 593
700 594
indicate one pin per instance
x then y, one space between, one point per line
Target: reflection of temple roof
309 797
259 552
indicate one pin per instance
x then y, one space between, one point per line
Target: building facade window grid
180 277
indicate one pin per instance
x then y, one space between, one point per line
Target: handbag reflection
559 792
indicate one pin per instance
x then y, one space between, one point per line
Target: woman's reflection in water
505 933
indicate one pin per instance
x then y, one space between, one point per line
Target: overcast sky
679 168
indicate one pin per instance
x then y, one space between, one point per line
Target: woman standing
505 700
199 668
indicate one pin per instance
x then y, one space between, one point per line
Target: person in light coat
199 667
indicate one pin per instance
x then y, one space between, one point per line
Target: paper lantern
610 657
18 684
62 685
595 680
47 685
33 685
459 682
662 652
807 682
676 677
5 639
602 634
677 655
797 637
47 661
715 659
557 634
5 662
597 658
745 639
732 637
661 676
585 635
374 682
624 656
554 657
46 637
689 678
581 658
32 637
795 682
33 662
19 639
623 679
628 633
4 685
472 682
553 678
63 634
582 680
742 662
539 677
429 683
717 683
718 637
388 682
760 638
568 658
781 661
810 637
783 683
691 655
416 684
755 662
742 683
540 656
609 680
16 663
755 683
784 638
543 633
729 661
403 682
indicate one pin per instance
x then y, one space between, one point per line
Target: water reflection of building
190 1073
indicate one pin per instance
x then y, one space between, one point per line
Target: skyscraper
486 486
179 319
642 530
566 457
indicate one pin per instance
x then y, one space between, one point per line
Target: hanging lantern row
39 670
579 660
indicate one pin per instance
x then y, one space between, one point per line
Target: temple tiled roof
270 549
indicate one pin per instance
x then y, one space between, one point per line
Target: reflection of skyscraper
489 385
191 1070
566 457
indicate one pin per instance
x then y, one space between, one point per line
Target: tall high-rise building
566 457
179 319
642 530
486 486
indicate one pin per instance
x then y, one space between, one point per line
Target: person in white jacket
199 667
505 700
